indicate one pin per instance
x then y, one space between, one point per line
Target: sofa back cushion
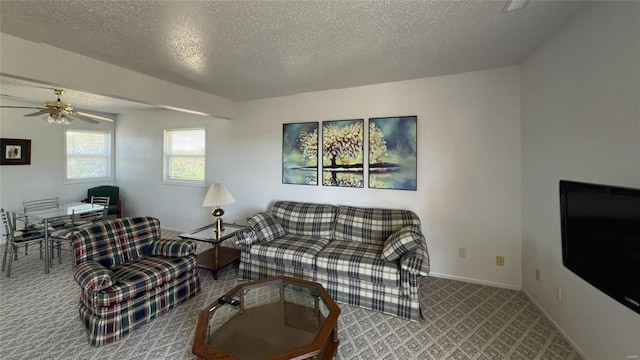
116 241
371 225
305 218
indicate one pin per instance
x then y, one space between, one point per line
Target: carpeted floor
39 320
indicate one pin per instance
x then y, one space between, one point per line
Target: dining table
63 212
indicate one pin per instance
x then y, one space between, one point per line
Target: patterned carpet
39 320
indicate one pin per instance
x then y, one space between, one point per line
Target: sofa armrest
93 277
173 248
246 237
416 261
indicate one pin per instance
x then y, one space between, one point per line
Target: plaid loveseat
129 276
368 257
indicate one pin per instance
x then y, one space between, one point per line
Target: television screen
601 238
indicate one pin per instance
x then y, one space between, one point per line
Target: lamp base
217 213
219 225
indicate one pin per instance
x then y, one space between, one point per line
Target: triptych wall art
300 153
391 160
343 153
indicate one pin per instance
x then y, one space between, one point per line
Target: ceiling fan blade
38 113
10 96
78 116
92 116
19 107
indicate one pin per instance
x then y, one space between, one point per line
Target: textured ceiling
255 49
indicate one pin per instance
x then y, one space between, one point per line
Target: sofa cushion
168 292
371 225
305 218
357 260
290 250
401 242
111 323
67 232
266 226
137 277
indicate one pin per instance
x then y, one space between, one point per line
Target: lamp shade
217 195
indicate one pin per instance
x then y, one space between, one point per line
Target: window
88 155
184 151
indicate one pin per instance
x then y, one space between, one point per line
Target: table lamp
217 195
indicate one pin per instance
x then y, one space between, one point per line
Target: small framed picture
15 152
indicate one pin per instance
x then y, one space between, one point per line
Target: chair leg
4 257
15 252
13 249
52 254
26 249
59 252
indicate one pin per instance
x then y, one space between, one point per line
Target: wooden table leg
216 250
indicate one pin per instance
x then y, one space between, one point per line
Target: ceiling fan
58 112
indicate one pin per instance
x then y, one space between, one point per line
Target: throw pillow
401 242
266 227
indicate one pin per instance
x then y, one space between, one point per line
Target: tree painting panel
342 153
300 153
392 153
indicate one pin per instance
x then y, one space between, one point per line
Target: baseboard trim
475 281
557 326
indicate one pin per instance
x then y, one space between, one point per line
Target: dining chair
102 200
37 205
15 238
113 192
41 204
95 200
78 222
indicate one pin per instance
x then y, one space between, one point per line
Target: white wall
580 121
468 163
44 177
139 149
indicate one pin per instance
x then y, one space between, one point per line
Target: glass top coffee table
274 318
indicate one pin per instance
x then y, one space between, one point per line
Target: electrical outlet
538 275
462 252
500 260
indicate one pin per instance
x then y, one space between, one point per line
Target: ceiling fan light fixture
58 119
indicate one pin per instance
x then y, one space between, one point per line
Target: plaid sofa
129 276
368 257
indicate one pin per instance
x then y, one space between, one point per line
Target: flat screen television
601 238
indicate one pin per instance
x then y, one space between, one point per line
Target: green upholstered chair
113 192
